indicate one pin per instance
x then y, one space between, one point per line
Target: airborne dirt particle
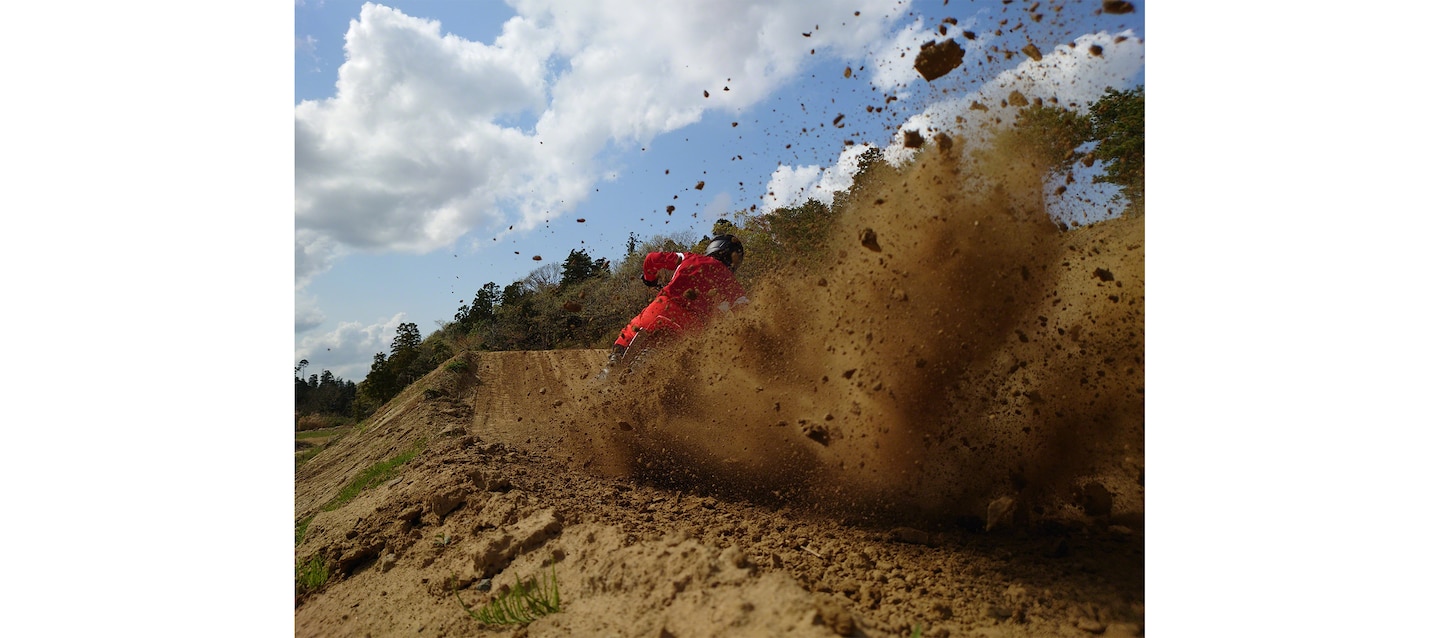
869 239
1018 99
816 432
944 142
700 185
1103 274
1117 6
537 258
1000 514
913 139
1032 51
1096 50
935 60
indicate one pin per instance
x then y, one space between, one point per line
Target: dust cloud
956 346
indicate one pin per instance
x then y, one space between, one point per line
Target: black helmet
727 249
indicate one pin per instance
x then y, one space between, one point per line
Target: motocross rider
702 284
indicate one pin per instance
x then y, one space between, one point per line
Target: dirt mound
942 428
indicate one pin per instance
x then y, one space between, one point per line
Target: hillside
943 426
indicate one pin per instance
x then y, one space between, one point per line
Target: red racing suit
700 286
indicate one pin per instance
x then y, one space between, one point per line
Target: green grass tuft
525 602
458 364
309 453
372 476
300 527
311 575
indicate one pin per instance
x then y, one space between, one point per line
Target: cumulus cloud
430 135
793 186
893 64
308 315
347 350
1072 76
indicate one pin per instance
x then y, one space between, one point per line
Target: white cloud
308 315
792 186
430 136
348 350
893 65
1070 75
789 185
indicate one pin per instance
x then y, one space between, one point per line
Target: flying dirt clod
935 60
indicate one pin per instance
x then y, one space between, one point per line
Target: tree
480 312
1117 121
512 294
380 384
1052 132
322 393
404 351
577 268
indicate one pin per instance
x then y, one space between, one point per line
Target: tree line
584 301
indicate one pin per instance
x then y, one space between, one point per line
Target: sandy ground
944 433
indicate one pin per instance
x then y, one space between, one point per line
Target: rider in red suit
701 285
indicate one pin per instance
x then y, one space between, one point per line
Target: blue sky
422 165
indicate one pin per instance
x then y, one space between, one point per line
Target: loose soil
942 428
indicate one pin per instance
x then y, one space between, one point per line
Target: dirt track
636 560
946 432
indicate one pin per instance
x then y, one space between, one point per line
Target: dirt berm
943 428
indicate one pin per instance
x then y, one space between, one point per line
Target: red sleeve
656 262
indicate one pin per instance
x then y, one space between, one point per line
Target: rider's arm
656 262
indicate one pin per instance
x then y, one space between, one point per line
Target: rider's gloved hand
648 282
